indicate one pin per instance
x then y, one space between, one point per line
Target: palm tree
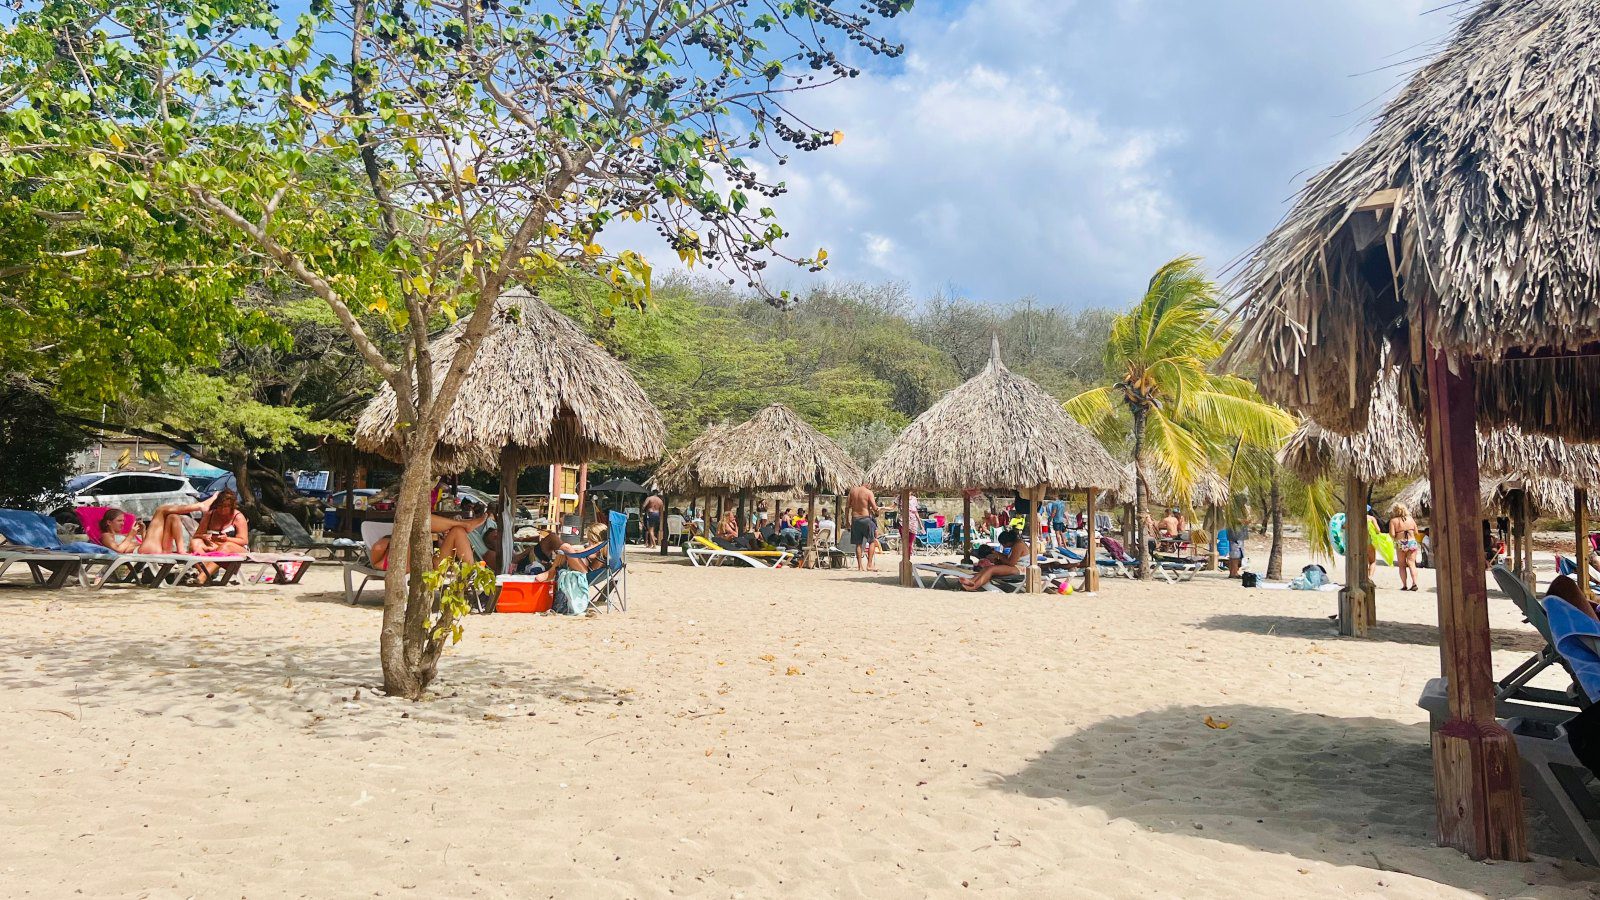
1184 417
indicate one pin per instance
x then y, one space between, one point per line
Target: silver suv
135 492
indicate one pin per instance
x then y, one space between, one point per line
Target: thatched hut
1461 235
998 431
777 450
540 391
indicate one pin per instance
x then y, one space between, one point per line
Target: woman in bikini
453 541
1407 549
223 528
164 535
1012 560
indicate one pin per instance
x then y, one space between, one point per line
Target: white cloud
1065 150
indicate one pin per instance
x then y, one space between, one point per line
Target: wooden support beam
1033 580
966 528
1580 524
1091 571
907 579
1477 785
1211 539
1353 609
666 513
809 560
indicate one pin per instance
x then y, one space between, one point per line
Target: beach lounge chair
1565 566
371 533
218 569
32 541
1515 685
675 530
294 536
703 552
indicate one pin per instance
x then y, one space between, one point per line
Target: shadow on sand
1342 791
1323 629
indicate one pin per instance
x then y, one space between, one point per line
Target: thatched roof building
998 431
1547 496
1210 489
678 474
775 449
1467 216
540 391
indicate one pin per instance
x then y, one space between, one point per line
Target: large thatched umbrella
539 392
1462 234
775 450
1208 493
998 431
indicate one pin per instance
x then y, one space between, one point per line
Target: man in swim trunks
653 506
864 526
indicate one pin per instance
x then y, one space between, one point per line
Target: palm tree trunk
1275 503
1140 542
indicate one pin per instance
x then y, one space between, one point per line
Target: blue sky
1063 149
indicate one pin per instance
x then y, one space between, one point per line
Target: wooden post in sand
1353 621
1033 581
1211 538
1091 570
1580 524
1476 780
966 528
666 513
809 561
906 540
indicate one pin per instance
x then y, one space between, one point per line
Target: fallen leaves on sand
1218 724
767 657
792 671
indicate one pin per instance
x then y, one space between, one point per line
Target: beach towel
572 592
31 529
1575 638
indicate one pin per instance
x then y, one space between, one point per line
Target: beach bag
572 593
1248 579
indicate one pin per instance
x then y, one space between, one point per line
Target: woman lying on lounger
164 534
453 543
1013 560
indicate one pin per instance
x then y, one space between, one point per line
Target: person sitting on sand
1014 560
577 557
453 542
164 534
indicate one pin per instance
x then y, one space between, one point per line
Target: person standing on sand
864 526
1403 529
653 507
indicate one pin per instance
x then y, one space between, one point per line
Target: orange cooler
521 594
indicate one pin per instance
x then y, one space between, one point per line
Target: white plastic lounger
371 533
277 568
705 556
49 568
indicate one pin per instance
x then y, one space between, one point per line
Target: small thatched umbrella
998 431
539 392
1462 234
776 449
1209 493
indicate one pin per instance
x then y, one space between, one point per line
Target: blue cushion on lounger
31 529
1570 627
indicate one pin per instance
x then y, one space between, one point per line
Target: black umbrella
621 486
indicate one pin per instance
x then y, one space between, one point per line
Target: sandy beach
736 733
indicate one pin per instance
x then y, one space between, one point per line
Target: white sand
737 733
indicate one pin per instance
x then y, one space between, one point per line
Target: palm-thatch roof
1548 496
678 473
540 391
1210 489
998 431
775 449
1393 445
1468 215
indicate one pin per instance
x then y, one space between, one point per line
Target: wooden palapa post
666 513
1353 606
1091 570
966 528
906 540
1477 785
1580 523
809 561
1033 581
1211 539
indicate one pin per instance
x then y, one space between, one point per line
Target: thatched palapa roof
1548 496
774 449
998 431
1468 215
1210 489
1393 445
540 390
678 473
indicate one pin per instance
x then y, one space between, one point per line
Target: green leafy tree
1182 416
407 163
36 449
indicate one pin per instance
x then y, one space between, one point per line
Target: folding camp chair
610 584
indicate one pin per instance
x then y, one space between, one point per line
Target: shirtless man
864 526
653 507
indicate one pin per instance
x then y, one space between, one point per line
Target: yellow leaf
467 260
593 249
117 141
303 103
767 657
1216 723
469 175
822 255
838 137
792 671
636 142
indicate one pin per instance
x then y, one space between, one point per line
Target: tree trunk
1275 511
406 606
1141 545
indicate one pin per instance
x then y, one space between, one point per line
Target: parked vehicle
135 492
